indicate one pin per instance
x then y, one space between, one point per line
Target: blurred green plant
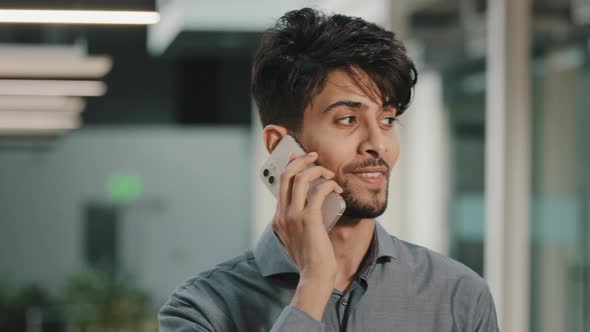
94 300
31 296
14 306
98 300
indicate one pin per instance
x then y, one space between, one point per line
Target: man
337 84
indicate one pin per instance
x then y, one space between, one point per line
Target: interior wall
193 212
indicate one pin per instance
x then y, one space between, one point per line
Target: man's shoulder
232 270
212 288
443 286
429 265
206 298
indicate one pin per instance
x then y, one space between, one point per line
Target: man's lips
369 170
371 175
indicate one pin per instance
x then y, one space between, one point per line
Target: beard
371 207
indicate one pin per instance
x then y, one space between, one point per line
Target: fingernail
313 154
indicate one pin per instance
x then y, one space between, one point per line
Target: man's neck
351 238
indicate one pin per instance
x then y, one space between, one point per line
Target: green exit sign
124 187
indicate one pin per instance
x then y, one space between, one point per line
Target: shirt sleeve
293 319
176 319
191 309
486 313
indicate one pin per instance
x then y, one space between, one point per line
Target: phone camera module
271 179
265 172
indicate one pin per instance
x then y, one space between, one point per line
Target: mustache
366 163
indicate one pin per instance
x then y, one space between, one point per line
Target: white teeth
370 175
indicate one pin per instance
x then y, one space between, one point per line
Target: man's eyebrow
347 103
352 104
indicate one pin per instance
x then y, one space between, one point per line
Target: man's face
354 136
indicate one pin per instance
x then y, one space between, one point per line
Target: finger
318 196
302 183
285 180
278 231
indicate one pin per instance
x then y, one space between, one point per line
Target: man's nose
373 141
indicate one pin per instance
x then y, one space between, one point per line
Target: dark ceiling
143 89
199 87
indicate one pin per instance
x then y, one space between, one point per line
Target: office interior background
130 148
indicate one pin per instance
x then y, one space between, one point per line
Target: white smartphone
278 160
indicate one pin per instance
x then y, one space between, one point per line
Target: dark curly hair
296 56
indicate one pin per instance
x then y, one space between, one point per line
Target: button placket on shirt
344 308
344 301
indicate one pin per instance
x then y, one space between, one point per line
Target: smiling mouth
373 175
370 175
371 172
371 178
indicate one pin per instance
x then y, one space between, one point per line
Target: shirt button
344 301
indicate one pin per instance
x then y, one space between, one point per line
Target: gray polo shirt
399 287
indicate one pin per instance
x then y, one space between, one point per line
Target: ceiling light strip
41 103
47 67
78 17
13 121
51 88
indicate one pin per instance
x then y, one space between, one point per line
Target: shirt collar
272 258
387 245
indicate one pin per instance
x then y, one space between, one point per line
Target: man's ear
272 135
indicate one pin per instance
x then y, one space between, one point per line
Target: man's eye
390 120
347 120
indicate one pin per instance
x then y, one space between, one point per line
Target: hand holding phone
333 205
302 220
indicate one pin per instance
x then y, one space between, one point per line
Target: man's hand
298 223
